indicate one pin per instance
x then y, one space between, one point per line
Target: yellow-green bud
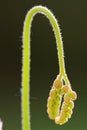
71 104
67 98
53 93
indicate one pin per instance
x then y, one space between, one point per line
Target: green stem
26 59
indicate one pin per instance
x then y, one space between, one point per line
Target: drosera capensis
57 110
60 102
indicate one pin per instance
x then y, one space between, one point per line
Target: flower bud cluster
54 99
67 108
56 109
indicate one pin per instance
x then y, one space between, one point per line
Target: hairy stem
25 105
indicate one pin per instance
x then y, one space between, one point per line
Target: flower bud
67 98
69 112
73 95
65 89
57 83
71 104
53 93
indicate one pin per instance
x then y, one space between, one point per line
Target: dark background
72 17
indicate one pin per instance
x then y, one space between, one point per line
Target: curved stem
26 59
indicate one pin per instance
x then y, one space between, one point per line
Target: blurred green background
72 17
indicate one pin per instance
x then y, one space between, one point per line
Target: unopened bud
57 83
53 93
73 95
66 98
64 89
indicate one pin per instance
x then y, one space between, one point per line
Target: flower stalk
58 89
